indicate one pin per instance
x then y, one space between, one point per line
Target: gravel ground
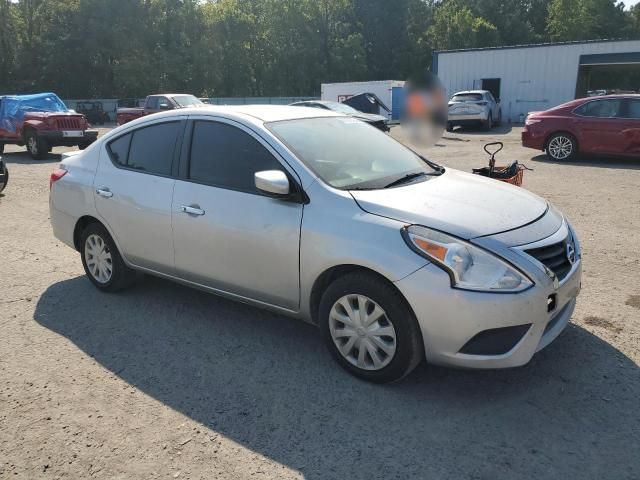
166 382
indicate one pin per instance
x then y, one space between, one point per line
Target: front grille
555 257
68 123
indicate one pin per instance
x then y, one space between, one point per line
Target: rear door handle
192 210
104 192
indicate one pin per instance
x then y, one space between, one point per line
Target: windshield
187 101
467 97
49 103
349 154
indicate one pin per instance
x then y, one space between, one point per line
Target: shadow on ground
267 383
593 161
503 129
23 158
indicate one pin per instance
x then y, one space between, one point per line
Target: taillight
56 175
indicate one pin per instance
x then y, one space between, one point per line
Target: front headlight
469 267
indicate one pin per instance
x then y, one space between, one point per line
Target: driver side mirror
272 182
164 106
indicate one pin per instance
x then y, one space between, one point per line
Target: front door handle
104 192
192 209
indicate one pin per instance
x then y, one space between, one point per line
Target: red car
607 125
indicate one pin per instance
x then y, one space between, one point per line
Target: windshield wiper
407 178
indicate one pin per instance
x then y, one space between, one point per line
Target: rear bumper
531 139
58 138
460 119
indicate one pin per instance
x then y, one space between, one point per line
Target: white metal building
536 77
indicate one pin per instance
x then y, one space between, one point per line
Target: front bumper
449 318
58 138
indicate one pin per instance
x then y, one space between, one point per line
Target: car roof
471 91
613 95
264 113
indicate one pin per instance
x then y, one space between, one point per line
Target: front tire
5 176
449 127
101 260
562 147
369 328
36 146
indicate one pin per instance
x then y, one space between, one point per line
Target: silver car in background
474 107
322 217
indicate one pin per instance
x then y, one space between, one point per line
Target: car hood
456 202
369 117
37 115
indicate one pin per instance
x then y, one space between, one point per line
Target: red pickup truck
155 104
41 122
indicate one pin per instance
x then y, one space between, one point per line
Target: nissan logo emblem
571 253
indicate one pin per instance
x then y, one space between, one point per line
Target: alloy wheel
98 258
362 332
560 147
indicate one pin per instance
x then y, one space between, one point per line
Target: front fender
34 124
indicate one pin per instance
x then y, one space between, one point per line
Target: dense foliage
126 48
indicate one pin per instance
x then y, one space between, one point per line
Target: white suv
474 107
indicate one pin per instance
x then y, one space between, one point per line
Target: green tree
456 26
8 46
586 20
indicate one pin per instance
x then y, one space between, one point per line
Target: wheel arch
82 223
325 279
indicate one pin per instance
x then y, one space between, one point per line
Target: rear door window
608 108
228 157
148 149
152 103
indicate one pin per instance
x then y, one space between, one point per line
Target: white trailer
389 91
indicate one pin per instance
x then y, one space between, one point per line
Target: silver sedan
322 217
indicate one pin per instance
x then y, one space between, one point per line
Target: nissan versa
323 217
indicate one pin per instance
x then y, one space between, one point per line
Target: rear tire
371 305
488 123
102 261
37 147
562 147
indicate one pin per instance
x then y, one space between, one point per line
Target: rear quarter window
119 149
149 149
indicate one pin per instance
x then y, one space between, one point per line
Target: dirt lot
167 382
